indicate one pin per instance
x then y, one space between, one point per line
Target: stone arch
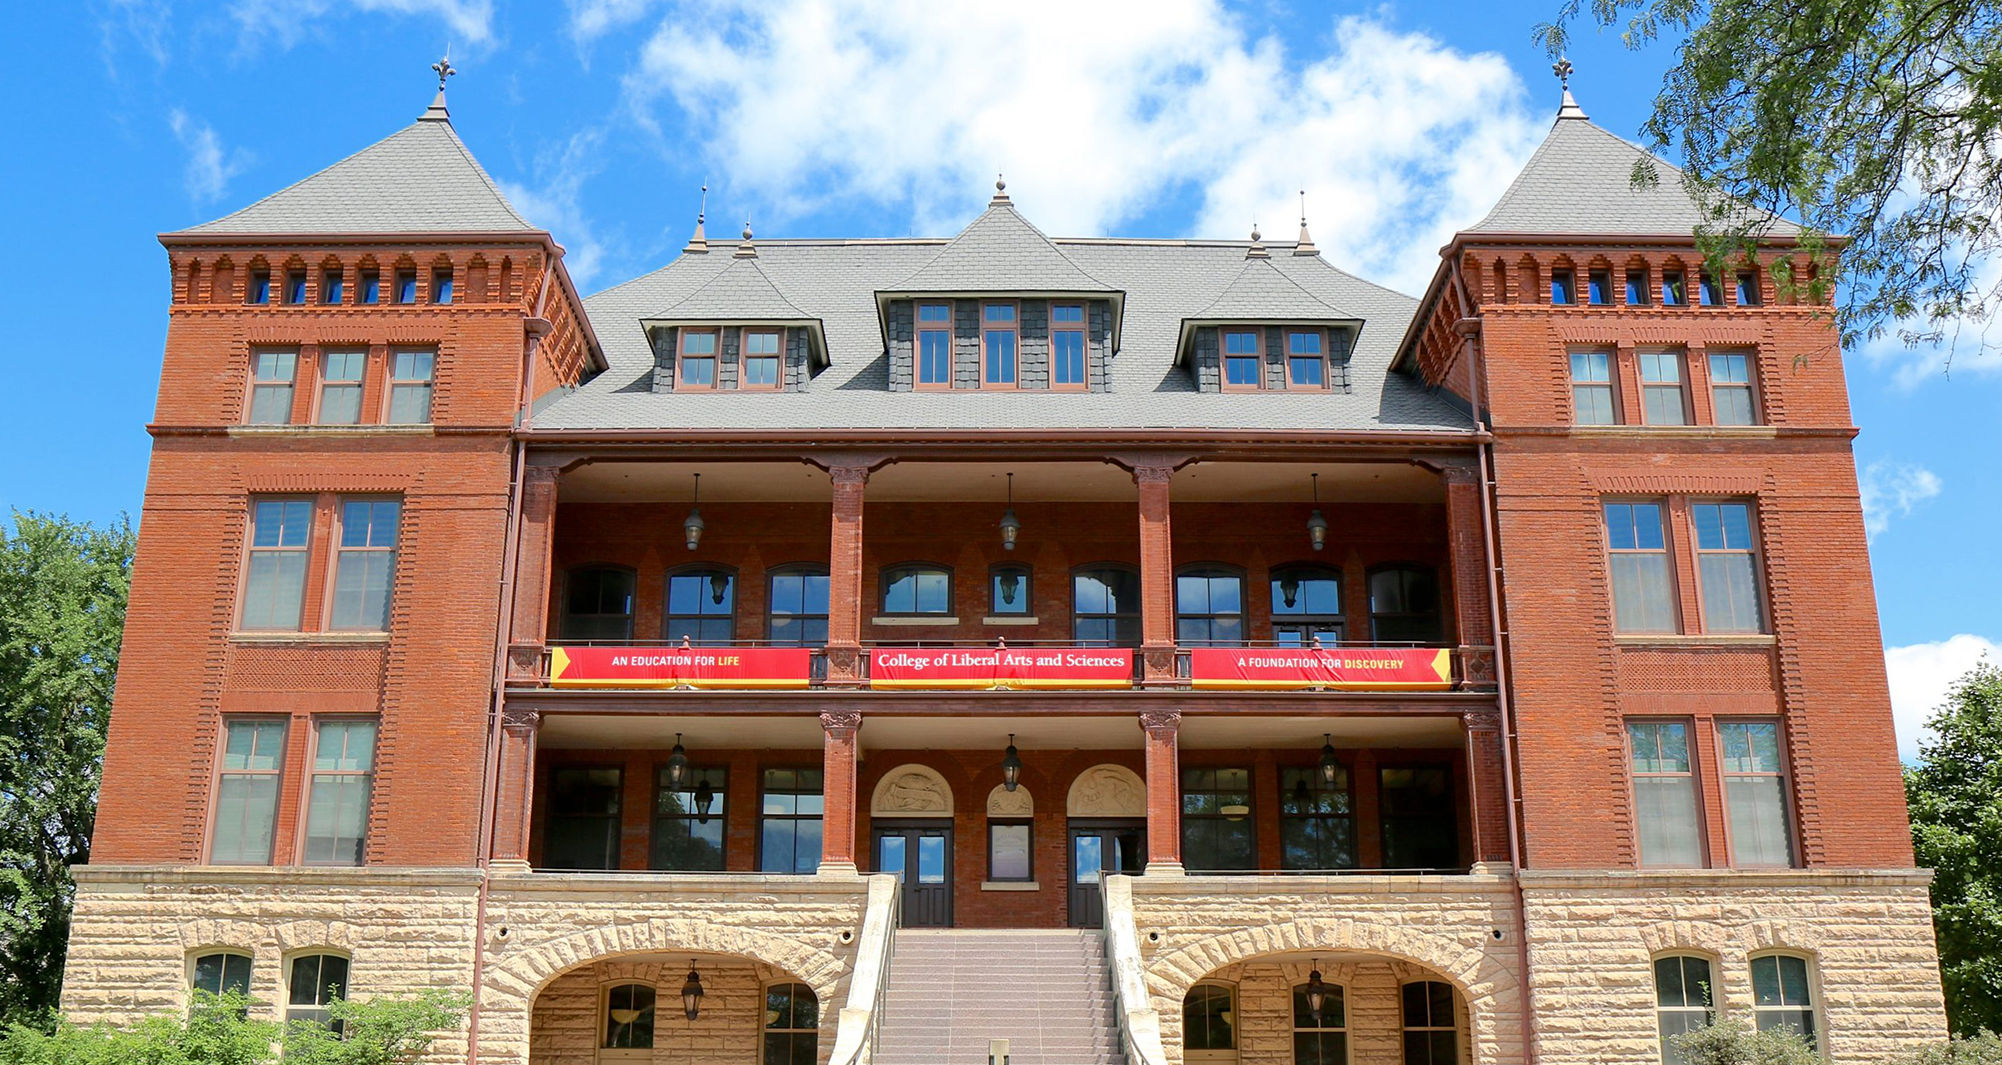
211 935
911 790
337 936
519 978
1004 803
1107 790
1695 937
1780 936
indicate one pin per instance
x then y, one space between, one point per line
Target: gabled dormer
1000 307
1266 333
737 332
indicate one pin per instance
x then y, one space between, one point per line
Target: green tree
63 588
1955 795
377 1031
220 1031
1735 1043
1877 119
1983 1049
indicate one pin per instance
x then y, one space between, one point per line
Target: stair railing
861 1020
1139 1024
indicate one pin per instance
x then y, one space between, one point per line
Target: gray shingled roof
740 292
1580 181
1261 292
1000 252
420 179
1165 282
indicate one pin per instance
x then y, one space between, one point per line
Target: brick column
514 810
528 630
1164 791
838 782
1696 370
1467 547
1157 575
1487 795
844 577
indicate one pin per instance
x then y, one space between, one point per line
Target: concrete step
952 990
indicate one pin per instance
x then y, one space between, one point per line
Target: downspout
1502 703
490 790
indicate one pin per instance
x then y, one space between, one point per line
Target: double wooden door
1101 846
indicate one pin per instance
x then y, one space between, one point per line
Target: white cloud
210 167
143 22
1096 113
1921 673
1970 348
553 201
590 19
470 21
1891 490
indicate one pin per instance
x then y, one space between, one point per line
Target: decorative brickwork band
838 784
1164 792
519 731
844 576
1157 574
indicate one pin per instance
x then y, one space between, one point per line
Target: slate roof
420 179
740 292
1580 182
1000 252
1263 292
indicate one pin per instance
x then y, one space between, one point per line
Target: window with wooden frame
1746 292
689 820
364 564
1685 1001
1306 359
406 286
796 606
341 374
1010 850
933 346
1218 833
792 1025
701 606
1431 1023
1418 817
1710 289
410 385
1642 576
1563 287
315 982
1105 606
1637 289
274 584
337 798
1592 401
1317 826
1599 288
791 806
1404 603
1731 399
1674 288
1209 606
629 1019
582 831
295 287
999 344
273 377
917 588
1010 588
1306 606
1664 782
1662 398
1755 793
332 286
597 604
1243 359
695 360
221 973
248 774
759 366
1783 996
1209 1024
1068 350
1727 567
371 287
441 286
259 289
1320 1037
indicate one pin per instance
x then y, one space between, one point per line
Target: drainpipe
490 789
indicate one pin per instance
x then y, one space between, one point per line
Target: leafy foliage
219 1031
1983 1049
63 588
1878 119
1955 795
1735 1043
377 1031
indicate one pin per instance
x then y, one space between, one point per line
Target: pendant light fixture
1317 990
704 795
1317 526
1011 526
691 992
691 529
1331 767
677 765
1011 766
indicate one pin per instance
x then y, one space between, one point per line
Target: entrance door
1101 846
921 855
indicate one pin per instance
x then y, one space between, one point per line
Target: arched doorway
1335 1008
1107 812
910 819
634 1009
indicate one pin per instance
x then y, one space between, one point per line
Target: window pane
761 343
1664 405
761 370
337 818
1000 356
629 1017
246 815
698 372
1067 357
1067 312
1000 312
220 974
1665 808
1730 593
698 343
1009 847
1758 820
934 312
1750 746
1238 370
361 591
1307 372
1642 598
934 357
1010 593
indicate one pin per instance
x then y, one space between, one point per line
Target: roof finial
1569 107
1305 246
747 250
699 243
1257 249
1000 190
444 69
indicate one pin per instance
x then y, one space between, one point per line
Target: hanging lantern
1317 526
1317 991
1331 767
1303 799
1289 590
691 992
677 765
691 529
1011 526
1011 765
1010 585
704 795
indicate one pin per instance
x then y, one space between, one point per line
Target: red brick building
1490 677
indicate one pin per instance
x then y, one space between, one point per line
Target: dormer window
998 345
1306 359
761 359
697 367
1067 358
934 345
1243 351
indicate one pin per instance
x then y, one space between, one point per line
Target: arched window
1431 1036
701 606
1209 1025
1306 604
1684 1001
1782 999
1404 604
598 603
917 588
1209 607
1105 606
222 973
792 1025
629 1020
315 981
1320 1037
797 611
1010 591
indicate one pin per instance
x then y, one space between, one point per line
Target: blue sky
807 117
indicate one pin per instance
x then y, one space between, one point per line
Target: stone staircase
953 990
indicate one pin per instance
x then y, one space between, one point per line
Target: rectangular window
1636 294
1216 820
340 387
246 794
332 287
295 287
371 286
406 286
1008 851
271 384
1421 829
1241 359
1563 287
260 287
1316 819
998 340
1747 294
917 590
1781 998
1728 567
1643 592
337 804
1674 289
441 286
1067 347
789 821
688 820
1009 590
761 359
365 565
1592 388
1731 389
1664 794
1755 793
1661 388
274 586
698 360
317 981
410 375
583 827
934 345
1710 290
1599 287
1306 363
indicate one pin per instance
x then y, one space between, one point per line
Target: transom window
246 797
1755 802
917 588
1404 604
410 375
337 804
1316 819
1684 1001
1731 389
1782 999
222 974
1209 1028
1320 1037
798 607
1105 606
629 1015
1216 819
1067 345
1306 605
598 603
583 827
697 359
1010 591
1431 1033
1643 594
998 337
761 359
792 1025
1664 793
688 820
318 980
271 382
1421 827
274 588
701 606
790 821
1306 359
365 564
1661 388
1209 607
1592 388
1242 358
1727 566
934 346
340 387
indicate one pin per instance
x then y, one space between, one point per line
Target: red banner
680 667
1001 667
1338 668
